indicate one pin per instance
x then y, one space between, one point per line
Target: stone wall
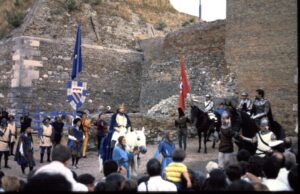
39 68
261 48
203 48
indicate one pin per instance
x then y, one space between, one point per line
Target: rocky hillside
12 13
111 23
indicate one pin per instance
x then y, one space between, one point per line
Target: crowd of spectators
277 171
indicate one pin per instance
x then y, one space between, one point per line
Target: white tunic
208 106
13 131
45 140
121 121
261 147
4 140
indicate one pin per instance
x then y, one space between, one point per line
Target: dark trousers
24 167
99 141
182 139
6 154
43 148
11 147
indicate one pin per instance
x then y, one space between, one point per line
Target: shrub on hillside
15 18
162 25
71 5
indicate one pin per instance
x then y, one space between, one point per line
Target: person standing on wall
181 124
86 125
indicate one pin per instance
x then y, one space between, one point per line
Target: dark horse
241 121
203 125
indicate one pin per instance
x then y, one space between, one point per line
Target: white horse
134 138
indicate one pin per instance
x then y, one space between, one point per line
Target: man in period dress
86 125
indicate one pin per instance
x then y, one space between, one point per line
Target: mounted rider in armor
261 108
209 109
245 103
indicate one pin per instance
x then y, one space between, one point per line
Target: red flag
184 85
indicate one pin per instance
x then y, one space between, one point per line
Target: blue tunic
219 111
166 148
122 157
27 158
106 148
75 146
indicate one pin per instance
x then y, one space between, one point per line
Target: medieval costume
263 139
4 142
86 125
75 139
24 151
181 124
13 134
58 127
245 103
261 108
45 139
226 140
122 157
120 122
166 147
102 129
25 122
209 107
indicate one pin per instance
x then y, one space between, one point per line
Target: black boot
6 165
42 158
48 157
23 169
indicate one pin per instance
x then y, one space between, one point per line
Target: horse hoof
198 151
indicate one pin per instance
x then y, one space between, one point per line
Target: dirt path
90 164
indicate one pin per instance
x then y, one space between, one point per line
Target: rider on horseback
261 107
245 103
209 109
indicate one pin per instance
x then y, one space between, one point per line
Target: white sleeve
72 137
209 106
21 149
142 187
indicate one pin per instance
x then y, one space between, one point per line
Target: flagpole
78 49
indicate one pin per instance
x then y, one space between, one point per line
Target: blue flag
77 59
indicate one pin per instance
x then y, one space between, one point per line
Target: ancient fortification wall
36 71
261 48
203 49
254 48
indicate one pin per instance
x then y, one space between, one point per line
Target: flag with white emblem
76 93
76 90
183 86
